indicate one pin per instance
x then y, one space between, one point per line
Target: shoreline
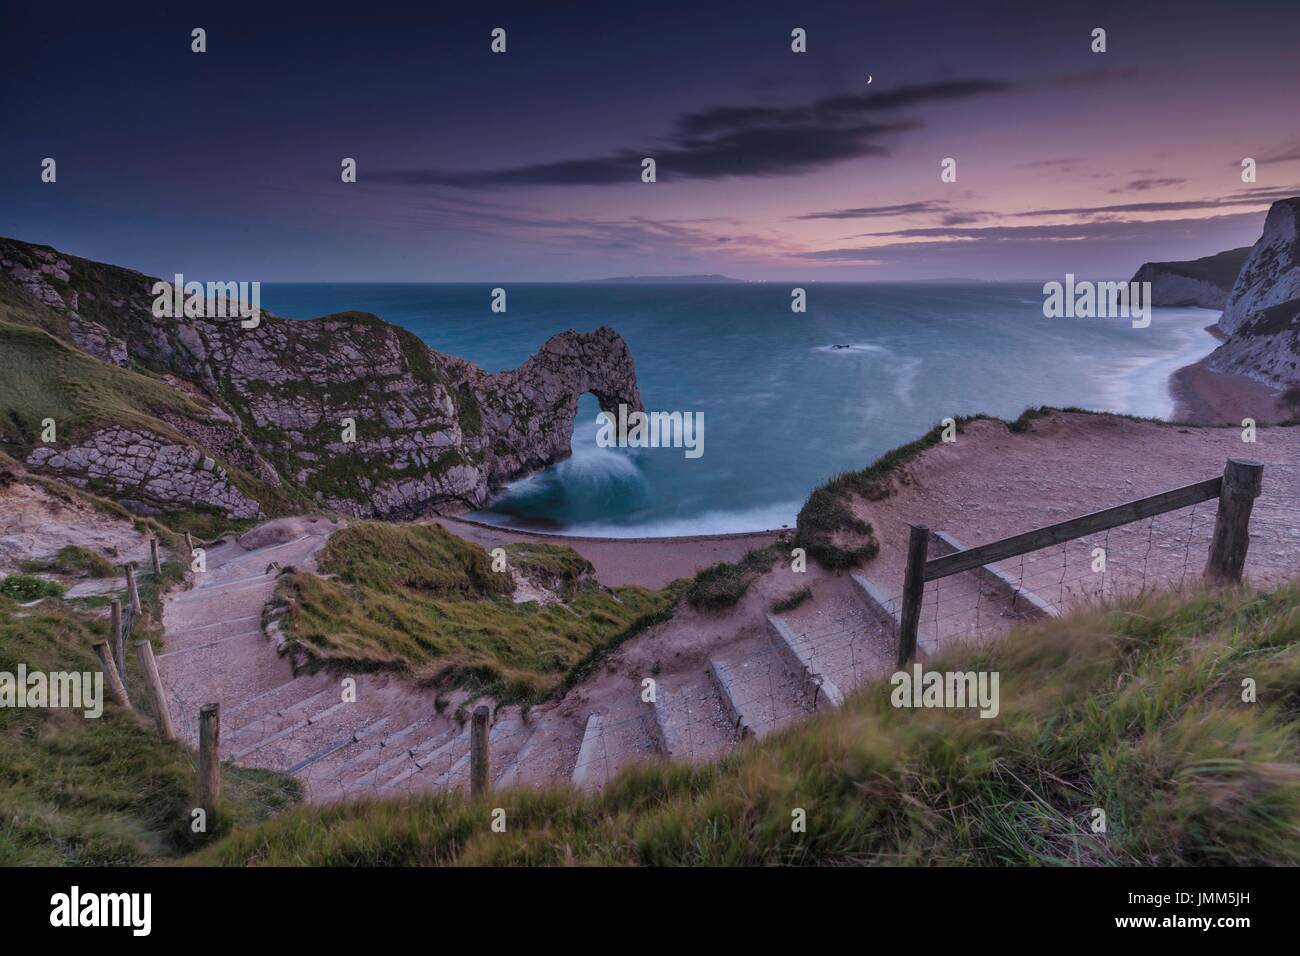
1203 396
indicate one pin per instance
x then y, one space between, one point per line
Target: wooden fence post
119 640
153 684
209 788
1242 481
106 664
913 591
157 561
478 752
132 591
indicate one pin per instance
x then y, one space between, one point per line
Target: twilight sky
774 165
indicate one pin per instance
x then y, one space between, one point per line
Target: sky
527 165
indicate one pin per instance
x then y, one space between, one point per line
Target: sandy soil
1204 396
35 525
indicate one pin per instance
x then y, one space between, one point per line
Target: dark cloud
1284 156
1248 197
870 212
731 141
1142 185
1111 231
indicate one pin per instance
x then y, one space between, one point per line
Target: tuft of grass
1136 709
724 584
792 600
28 587
419 600
73 559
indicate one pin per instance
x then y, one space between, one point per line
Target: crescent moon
868 79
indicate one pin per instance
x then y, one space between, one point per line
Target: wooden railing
1237 488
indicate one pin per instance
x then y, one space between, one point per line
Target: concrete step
361 735
317 731
278 697
504 737
266 721
756 692
359 771
441 758
690 721
801 659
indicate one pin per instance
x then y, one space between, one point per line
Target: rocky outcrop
1271 274
146 473
1262 316
347 411
1204 283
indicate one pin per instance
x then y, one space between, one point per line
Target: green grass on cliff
1136 710
42 377
417 599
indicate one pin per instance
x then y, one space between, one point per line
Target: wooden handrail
1072 528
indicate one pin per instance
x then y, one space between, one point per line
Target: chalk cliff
1262 315
1204 282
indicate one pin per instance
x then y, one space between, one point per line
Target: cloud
1287 154
1142 185
730 142
1010 236
1259 196
869 212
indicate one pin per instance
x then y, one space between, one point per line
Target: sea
788 399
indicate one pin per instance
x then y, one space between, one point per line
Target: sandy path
992 483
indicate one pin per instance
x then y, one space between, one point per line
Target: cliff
1262 315
1271 273
1204 282
201 413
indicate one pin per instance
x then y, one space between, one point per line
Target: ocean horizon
788 399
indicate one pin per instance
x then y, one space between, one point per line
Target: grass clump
73 560
417 599
1136 709
792 600
725 583
28 587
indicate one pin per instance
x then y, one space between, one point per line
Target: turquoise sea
786 405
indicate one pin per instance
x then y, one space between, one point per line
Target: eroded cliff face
1262 315
347 411
1271 273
